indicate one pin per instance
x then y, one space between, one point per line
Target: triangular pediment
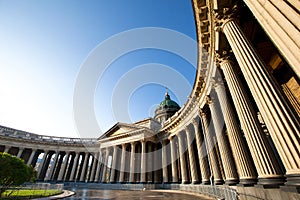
119 129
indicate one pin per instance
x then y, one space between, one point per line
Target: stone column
20 152
46 166
52 168
202 154
58 166
157 164
97 176
231 176
95 161
83 172
31 157
240 153
266 165
6 149
74 167
150 161
279 20
282 124
123 163
173 161
216 176
143 162
165 162
105 165
193 166
132 163
42 164
182 150
114 164
64 167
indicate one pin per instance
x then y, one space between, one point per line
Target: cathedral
236 137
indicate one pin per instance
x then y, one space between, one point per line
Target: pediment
119 129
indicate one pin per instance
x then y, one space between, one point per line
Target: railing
9 132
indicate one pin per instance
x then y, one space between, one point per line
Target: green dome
168 103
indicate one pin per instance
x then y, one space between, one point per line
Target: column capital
195 122
225 15
208 99
224 56
187 129
203 112
143 140
133 143
164 142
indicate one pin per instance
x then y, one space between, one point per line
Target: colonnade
222 143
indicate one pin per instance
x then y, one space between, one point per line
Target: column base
205 182
293 180
195 182
218 182
185 182
272 182
231 182
247 182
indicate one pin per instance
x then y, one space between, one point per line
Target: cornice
204 17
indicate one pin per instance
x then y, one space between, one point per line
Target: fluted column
165 162
42 163
132 163
83 172
74 167
97 176
52 168
193 166
105 165
231 176
63 168
212 156
202 154
143 162
182 150
114 164
173 161
241 156
95 161
31 157
281 22
282 124
20 152
123 163
266 165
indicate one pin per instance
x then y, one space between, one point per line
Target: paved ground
135 195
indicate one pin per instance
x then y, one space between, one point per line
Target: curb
66 193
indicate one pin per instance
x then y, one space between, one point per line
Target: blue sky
44 44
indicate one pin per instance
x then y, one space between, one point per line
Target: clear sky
45 44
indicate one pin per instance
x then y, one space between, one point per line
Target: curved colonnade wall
240 124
